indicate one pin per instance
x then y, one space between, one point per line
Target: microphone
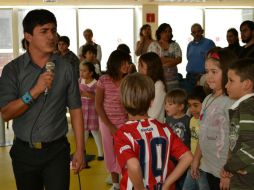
50 67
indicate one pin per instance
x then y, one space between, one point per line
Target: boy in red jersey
144 145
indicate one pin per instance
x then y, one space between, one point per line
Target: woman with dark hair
233 41
145 40
169 52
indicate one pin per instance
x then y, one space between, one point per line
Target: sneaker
100 158
109 180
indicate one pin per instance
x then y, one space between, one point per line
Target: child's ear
182 106
247 85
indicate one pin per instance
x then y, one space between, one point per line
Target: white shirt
157 110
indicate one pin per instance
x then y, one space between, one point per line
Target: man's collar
201 39
236 104
27 58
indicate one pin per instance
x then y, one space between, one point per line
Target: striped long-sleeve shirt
241 143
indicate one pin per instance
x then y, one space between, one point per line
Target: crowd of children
219 132
147 133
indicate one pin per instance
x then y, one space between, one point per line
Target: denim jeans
199 184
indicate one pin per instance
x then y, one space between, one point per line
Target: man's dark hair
64 39
249 23
37 17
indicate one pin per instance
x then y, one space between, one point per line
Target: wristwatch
27 98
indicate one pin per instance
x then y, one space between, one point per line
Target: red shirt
152 143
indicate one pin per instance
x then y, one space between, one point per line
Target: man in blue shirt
196 52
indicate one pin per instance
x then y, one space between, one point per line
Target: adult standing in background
170 54
247 35
145 35
233 41
66 53
196 53
41 152
88 35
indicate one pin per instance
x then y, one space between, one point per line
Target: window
180 20
218 21
6 50
110 28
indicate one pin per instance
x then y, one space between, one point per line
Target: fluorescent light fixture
182 1
49 1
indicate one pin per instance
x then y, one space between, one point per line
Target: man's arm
135 174
17 107
181 167
77 125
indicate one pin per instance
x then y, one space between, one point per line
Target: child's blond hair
137 92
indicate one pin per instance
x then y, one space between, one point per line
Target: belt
40 145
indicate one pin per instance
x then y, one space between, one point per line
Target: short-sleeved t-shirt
112 104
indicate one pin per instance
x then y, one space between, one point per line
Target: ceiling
238 3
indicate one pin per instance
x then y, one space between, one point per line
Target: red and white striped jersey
152 143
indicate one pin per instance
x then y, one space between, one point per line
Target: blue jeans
199 184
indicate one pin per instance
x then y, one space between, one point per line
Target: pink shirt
112 104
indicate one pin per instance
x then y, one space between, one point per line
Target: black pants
214 182
36 169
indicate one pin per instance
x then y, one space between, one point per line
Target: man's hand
44 82
77 163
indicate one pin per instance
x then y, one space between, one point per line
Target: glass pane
218 21
108 31
180 20
65 17
6 50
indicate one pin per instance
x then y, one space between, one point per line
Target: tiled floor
91 179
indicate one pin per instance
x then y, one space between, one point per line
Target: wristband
27 98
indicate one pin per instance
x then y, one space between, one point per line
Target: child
87 90
89 53
67 54
214 121
240 166
109 108
126 49
143 145
175 104
195 100
150 64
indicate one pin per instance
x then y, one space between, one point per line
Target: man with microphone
36 89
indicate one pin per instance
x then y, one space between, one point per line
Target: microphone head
50 67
